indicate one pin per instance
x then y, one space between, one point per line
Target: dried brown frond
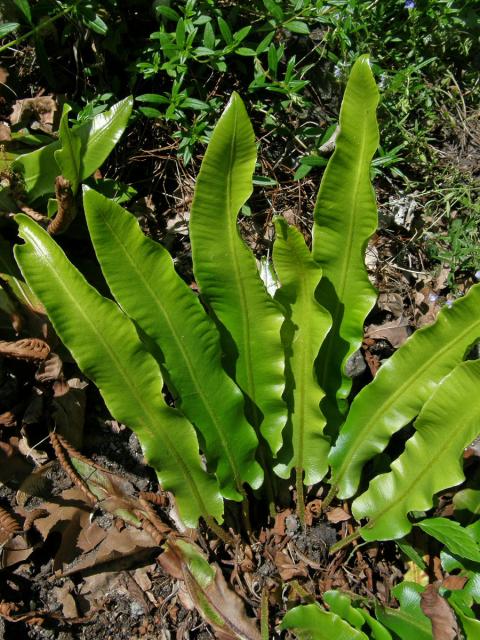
31 349
59 444
158 499
66 207
32 516
8 523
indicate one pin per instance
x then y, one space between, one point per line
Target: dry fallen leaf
288 569
40 110
338 515
454 583
444 623
70 516
396 331
5 135
217 603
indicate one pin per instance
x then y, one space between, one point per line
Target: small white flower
432 297
449 304
477 275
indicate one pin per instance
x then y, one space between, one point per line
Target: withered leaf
32 349
68 409
70 516
287 568
118 551
41 109
16 550
338 515
396 331
5 135
217 603
14 468
444 623
50 369
454 583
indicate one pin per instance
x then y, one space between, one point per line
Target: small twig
264 627
217 529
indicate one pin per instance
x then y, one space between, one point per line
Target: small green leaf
167 12
180 34
225 30
297 26
154 98
459 540
275 9
8 27
150 112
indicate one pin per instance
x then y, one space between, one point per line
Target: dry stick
264 630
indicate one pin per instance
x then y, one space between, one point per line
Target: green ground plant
258 383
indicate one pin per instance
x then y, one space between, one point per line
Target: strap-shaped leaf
304 330
105 344
401 387
141 276
311 622
345 218
449 421
227 274
97 139
408 622
68 157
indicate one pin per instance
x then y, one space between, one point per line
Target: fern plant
259 382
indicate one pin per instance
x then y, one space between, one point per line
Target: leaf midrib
124 376
343 279
439 450
204 398
392 398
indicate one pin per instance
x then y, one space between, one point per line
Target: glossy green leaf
304 330
311 622
68 158
468 500
431 462
408 622
106 346
227 274
470 625
97 139
458 540
401 387
10 273
142 277
8 27
378 631
345 218
341 604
